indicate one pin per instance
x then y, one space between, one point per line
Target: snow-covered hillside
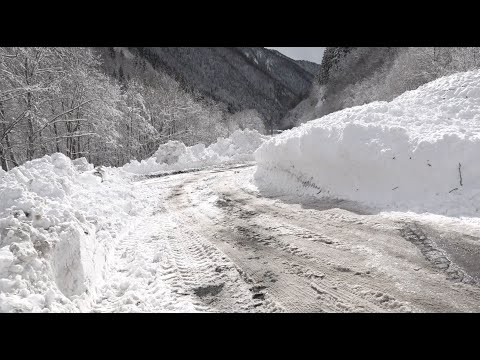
59 222
174 155
418 152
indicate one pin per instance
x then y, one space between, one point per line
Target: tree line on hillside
59 100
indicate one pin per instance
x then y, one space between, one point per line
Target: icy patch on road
59 222
416 153
174 155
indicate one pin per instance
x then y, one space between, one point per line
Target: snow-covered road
212 242
167 264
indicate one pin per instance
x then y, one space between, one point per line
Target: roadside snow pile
58 224
174 155
419 152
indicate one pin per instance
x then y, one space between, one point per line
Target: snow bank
58 224
174 155
418 152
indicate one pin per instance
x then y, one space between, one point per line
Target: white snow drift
58 225
419 152
174 155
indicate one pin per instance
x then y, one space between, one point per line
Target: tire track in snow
209 273
164 265
141 279
317 260
297 292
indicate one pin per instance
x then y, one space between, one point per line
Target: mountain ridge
240 78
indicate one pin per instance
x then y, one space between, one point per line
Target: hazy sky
302 53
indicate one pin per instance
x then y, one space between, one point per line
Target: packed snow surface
419 152
174 155
59 220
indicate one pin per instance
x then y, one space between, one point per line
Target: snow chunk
418 152
6 259
170 152
82 164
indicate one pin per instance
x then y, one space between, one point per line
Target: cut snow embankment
419 152
174 155
58 225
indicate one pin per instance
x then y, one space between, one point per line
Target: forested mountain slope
240 78
351 76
